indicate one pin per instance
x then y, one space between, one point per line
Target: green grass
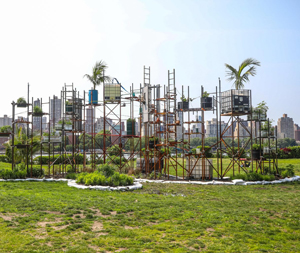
52 217
282 163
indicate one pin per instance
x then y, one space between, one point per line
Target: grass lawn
282 163
52 217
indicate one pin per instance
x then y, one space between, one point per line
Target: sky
51 43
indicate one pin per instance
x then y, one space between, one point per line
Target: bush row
20 172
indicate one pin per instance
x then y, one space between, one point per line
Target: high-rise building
5 121
211 128
240 129
90 119
297 132
55 110
100 124
285 127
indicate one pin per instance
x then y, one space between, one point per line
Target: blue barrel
93 97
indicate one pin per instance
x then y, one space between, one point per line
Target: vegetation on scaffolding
21 141
184 104
5 129
130 126
267 128
105 175
206 101
241 75
37 111
153 141
21 102
259 112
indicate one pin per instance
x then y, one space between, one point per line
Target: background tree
98 76
241 75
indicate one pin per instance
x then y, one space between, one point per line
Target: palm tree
237 76
98 76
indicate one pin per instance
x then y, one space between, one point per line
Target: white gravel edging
213 182
137 184
72 183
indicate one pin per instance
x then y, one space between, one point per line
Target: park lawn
282 163
52 217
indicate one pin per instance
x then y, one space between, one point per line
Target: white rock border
213 182
137 184
72 183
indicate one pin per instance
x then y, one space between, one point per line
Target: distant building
297 132
100 124
90 119
55 110
36 124
211 128
285 127
5 121
240 129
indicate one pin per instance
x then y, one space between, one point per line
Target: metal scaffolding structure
163 145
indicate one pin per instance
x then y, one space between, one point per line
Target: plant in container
96 79
21 102
68 125
206 101
5 131
130 124
184 104
152 141
37 111
256 152
69 106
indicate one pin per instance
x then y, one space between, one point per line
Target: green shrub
239 176
4 159
80 178
70 169
253 176
36 172
71 176
97 178
106 170
288 171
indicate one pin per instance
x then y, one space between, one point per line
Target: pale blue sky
49 43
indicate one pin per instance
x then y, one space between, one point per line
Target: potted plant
96 79
259 113
58 125
256 152
152 141
5 131
130 126
69 106
68 125
184 104
37 111
21 102
206 101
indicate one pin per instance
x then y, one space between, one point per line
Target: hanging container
207 103
130 127
93 97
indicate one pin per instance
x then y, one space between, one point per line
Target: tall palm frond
238 76
98 76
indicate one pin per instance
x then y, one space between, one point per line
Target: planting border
138 183
72 183
214 182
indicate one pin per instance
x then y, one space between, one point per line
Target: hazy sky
49 43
